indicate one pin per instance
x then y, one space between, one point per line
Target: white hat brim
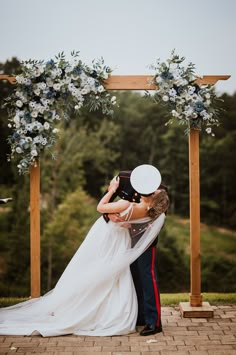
145 179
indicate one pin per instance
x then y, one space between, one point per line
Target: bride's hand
114 183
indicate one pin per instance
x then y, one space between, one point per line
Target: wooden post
194 201
195 307
35 230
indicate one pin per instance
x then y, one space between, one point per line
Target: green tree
64 233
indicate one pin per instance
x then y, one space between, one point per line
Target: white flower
34 114
16 119
174 113
100 88
46 125
56 86
84 91
69 69
37 139
37 72
165 98
105 75
172 92
58 71
208 130
34 153
191 90
91 81
158 79
176 76
19 79
49 82
44 141
19 150
37 92
42 86
55 130
32 104
113 100
173 66
19 103
29 127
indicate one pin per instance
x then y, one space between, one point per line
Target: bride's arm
104 206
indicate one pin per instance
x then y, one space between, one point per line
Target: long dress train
95 294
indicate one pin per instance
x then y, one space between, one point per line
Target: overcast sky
129 34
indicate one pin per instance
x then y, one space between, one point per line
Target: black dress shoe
150 329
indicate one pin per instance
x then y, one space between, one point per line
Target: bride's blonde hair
160 204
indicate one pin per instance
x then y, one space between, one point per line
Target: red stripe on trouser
157 300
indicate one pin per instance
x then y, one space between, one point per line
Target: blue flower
199 106
179 89
166 75
50 94
78 70
197 88
28 117
51 63
16 136
94 74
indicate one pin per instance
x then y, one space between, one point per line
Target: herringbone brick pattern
181 336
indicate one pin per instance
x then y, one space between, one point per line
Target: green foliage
218 250
173 271
15 279
64 233
218 273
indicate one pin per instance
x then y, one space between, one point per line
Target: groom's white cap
145 179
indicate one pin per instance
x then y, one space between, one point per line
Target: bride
95 295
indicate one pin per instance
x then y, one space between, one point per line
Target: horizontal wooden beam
137 82
9 78
211 79
142 82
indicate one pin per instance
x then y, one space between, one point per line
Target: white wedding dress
95 295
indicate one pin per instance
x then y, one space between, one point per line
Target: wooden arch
195 306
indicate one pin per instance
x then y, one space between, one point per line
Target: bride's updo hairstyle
160 204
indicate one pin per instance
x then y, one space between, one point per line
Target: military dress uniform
144 268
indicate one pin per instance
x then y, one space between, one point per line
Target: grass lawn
167 299
214 241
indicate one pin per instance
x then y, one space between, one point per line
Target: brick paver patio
181 336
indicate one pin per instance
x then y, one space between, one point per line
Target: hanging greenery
189 103
45 93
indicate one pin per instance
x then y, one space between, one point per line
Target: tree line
91 149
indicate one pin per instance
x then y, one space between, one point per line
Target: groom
143 180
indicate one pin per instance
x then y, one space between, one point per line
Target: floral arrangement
189 103
45 92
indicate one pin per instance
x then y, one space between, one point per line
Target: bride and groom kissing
97 295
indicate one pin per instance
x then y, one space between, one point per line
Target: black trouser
146 284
